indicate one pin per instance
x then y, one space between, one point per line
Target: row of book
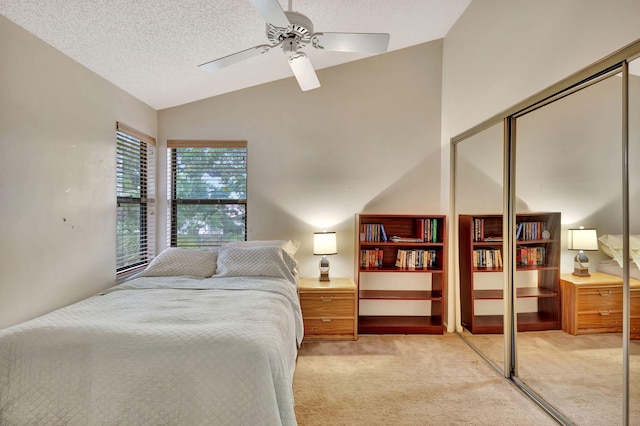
428 230
525 256
530 256
525 231
371 258
529 230
487 258
418 259
373 232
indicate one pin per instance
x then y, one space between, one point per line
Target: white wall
501 52
367 141
57 176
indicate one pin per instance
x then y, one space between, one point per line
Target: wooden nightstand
594 304
328 308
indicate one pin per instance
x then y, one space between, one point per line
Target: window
207 184
135 194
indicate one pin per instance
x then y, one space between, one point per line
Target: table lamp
582 239
324 243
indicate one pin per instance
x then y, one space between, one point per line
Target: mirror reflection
568 162
479 207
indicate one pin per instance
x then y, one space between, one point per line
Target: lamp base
324 269
581 265
581 272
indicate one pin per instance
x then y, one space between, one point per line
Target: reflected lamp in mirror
324 244
582 239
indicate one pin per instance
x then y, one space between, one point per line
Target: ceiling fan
293 31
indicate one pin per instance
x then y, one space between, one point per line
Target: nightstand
328 308
594 304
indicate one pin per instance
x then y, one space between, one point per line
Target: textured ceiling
151 48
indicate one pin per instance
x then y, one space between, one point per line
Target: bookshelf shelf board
528 321
523 292
400 324
518 268
401 294
397 269
398 245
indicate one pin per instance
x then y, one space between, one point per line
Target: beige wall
501 52
57 176
367 141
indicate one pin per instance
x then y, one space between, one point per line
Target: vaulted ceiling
151 48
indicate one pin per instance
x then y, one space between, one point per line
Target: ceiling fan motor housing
296 35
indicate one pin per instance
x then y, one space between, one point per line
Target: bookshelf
537 256
401 277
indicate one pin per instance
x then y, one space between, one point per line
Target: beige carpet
580 376
405 380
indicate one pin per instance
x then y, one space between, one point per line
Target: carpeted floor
405 380
580 376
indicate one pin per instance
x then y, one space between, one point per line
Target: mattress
158 351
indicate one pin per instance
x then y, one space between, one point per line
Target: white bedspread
157 351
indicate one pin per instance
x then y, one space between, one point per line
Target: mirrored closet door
634 246
566 164
569 192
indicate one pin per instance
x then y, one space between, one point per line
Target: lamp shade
324 243
582 239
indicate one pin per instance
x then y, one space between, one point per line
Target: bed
611 245
170 346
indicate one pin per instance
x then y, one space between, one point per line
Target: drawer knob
326 298
326 319
604 312
604 292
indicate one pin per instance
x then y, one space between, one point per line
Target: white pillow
290 246
611 245
265 261
176 261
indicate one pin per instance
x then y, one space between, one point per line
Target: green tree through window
208 187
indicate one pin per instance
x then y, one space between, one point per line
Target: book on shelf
531 256
428 230
371 258
487 258
527 231
415 259
373 232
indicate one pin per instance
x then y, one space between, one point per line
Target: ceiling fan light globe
303 71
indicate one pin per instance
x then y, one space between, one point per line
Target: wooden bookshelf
537 248
420 252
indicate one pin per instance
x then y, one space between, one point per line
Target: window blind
135 187
207 183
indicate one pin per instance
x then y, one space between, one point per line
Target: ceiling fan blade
304 72
272 12
234 58
352 42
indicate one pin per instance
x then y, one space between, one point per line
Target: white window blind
135 182
207 184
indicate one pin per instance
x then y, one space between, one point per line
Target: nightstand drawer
328 325
315 305
599 299
601 321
